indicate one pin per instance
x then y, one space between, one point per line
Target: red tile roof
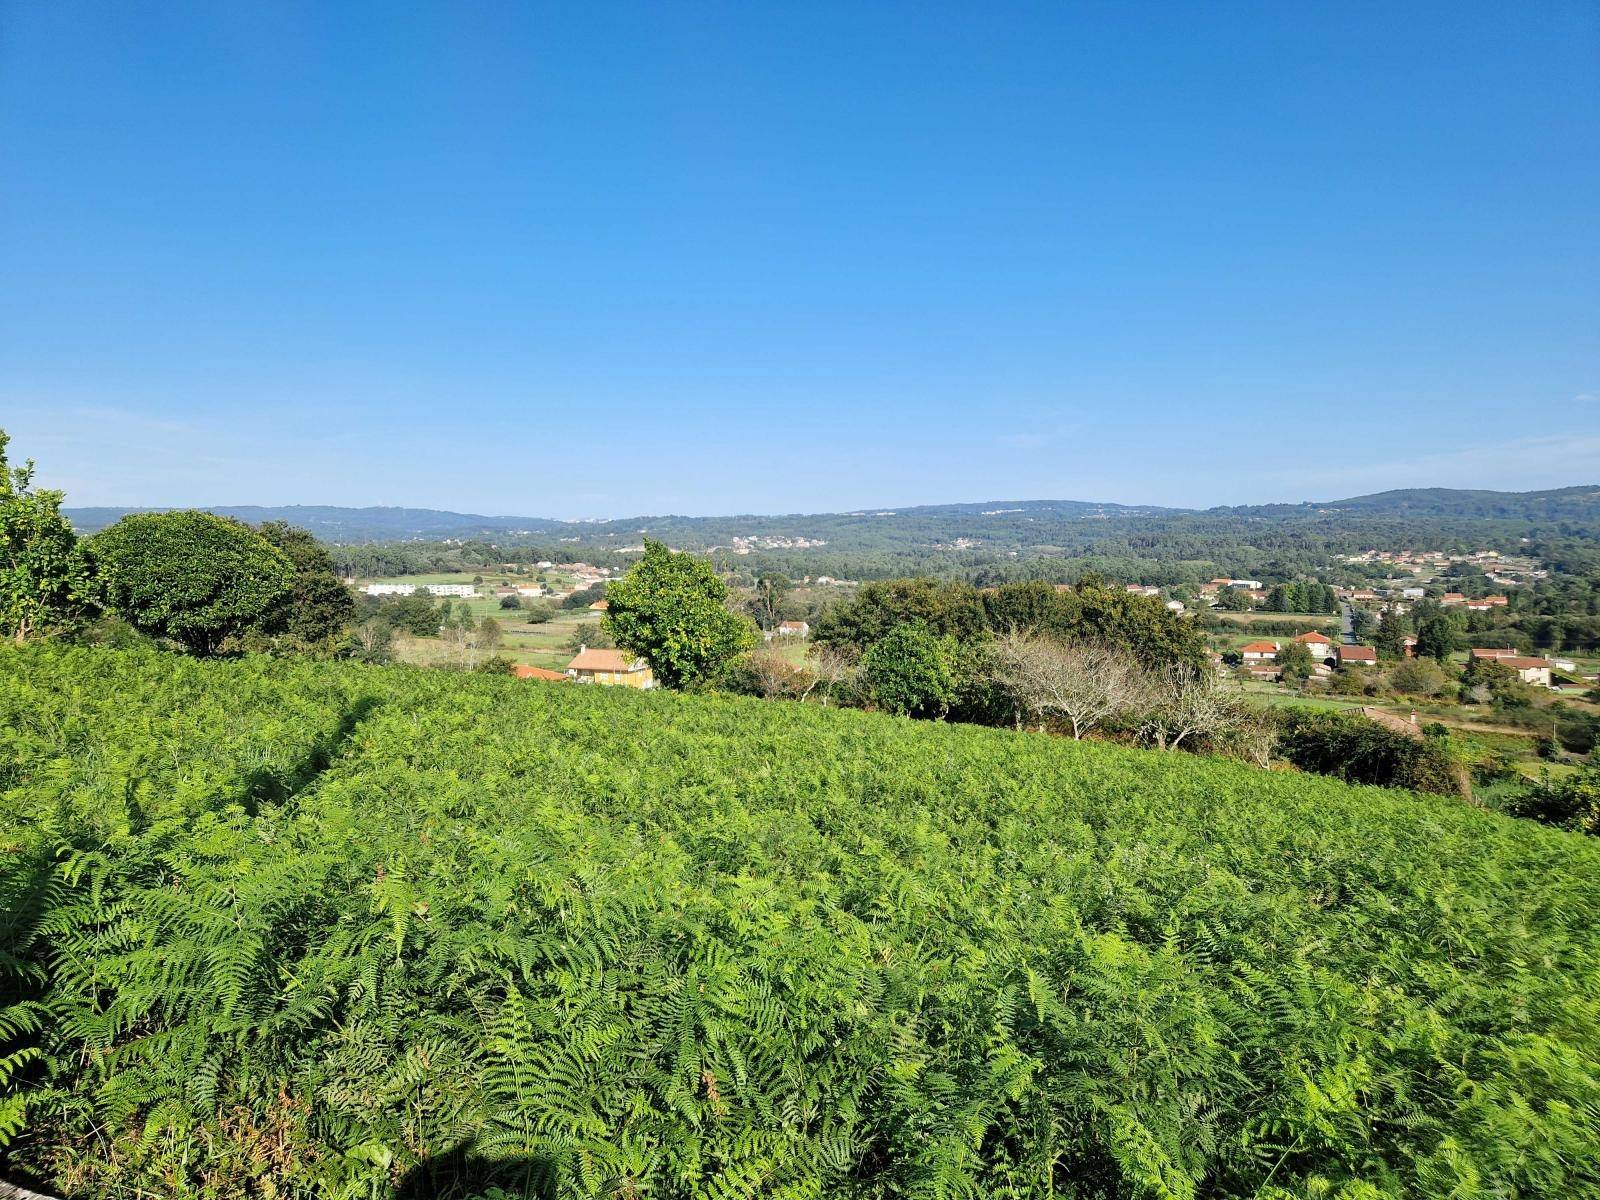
525 672
1259 648
603 660
1312 637
1357 654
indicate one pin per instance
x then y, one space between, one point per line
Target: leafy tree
1419 677
418 615
671 609
908 672
44 579
318 607
770 592
1363 624
511 602
879 607
1571 803
490 635
1295 662
193 577
539 614
1360 750
1436 638
1389 638
593 634
1232 599
584 597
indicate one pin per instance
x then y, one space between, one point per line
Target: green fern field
278 929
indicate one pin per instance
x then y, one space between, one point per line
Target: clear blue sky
590 259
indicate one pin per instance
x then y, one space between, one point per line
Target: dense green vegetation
317 929
990 543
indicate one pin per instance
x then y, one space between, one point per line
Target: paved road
1349 616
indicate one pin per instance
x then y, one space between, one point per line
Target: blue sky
596 259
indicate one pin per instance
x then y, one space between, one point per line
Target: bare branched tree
830 669
1180 703
775 676
1084 683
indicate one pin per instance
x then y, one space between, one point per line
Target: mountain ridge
400 523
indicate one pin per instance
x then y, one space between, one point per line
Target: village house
1494 652
1529 670
612 668
1357 656
793 629
1450 598
1259 652
1363 594
1485 603
1320 645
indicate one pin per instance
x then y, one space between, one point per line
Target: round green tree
671 609
318 607
908 671
193 577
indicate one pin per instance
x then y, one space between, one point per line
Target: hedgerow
293 929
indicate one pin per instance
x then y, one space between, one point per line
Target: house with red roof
1357 656
1259 652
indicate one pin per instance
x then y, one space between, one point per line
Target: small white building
793 629
389 589
452 589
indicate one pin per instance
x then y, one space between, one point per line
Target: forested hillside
989 543
297 929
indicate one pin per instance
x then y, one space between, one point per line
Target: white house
451 589
1260 652
793 629
389 589
1529 670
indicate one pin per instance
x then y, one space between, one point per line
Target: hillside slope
371 931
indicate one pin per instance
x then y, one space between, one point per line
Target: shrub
1354 748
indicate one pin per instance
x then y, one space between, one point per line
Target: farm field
300 929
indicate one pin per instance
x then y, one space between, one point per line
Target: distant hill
1024 521
336 524
1581 503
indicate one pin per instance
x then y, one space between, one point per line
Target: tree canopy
318 607
44 579
671 609
193 577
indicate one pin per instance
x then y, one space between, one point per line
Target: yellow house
614 668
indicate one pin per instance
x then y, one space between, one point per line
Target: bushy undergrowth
290 929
